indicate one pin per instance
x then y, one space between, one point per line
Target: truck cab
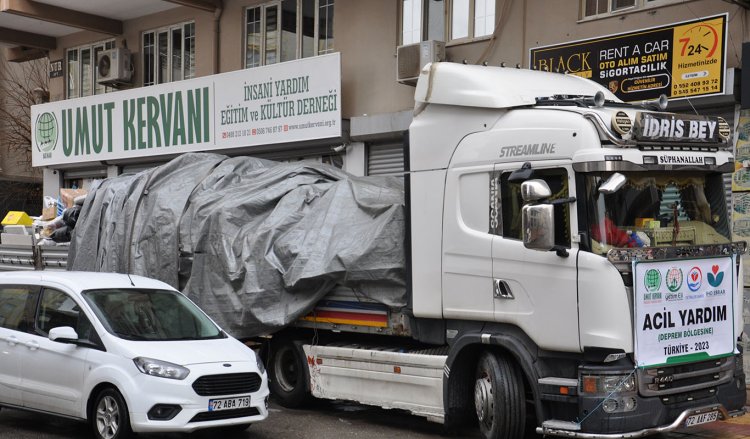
580 241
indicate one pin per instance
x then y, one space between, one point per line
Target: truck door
534 290
467 247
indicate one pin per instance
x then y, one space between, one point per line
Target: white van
126 353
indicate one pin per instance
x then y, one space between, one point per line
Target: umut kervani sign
287 102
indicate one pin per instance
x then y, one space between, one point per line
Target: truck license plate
702 418
228 403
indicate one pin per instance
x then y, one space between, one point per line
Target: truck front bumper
652 415
571 430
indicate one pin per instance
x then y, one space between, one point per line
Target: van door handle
12 340
33 345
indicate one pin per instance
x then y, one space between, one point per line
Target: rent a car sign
684 310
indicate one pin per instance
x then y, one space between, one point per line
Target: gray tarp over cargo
255 243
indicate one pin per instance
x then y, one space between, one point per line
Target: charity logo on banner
684 310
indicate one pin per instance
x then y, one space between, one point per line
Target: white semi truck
570 269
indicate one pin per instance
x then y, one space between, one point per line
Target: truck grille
672 382
227 384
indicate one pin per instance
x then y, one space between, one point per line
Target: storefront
286 111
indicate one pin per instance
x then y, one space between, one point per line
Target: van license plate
215 405
702 418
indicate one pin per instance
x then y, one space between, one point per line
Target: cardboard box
49 213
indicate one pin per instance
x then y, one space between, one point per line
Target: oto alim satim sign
679 60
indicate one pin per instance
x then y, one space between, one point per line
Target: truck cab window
657 210
511 203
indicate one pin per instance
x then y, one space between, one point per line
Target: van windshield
656 210
153 315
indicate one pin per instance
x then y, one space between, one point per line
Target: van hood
188 352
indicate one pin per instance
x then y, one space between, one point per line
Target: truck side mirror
613 184
537 220
535 190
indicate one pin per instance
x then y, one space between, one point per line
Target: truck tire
499 397
287 371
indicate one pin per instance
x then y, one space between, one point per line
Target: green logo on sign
674 279
46 132
652 280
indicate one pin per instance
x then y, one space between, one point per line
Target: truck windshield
656 210
153 315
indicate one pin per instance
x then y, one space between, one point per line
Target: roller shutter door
385 159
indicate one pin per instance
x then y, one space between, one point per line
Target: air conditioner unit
114 66
412 57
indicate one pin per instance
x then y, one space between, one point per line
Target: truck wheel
287 375
499 397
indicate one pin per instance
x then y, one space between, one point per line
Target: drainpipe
217 34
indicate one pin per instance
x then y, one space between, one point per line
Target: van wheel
499 397
110 418
287 371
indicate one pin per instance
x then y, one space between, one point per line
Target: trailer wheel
499 397
287 375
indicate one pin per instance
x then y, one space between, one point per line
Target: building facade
172 41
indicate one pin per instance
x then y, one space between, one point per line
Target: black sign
56 69
676 128
679 60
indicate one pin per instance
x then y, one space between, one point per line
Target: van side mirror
63 334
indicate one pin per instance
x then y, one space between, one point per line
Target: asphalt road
323 419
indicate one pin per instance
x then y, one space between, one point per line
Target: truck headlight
606 384
162 369
617 391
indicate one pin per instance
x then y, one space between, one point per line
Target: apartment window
422 20
286 30
168 54
597 8
81 70
472 18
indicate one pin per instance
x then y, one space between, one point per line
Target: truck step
380 376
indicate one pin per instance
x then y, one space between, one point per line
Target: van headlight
162 369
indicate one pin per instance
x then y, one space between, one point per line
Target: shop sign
56 68
664 127
684 310
287 102
680 60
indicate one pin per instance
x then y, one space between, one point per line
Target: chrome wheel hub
107 417
483 400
